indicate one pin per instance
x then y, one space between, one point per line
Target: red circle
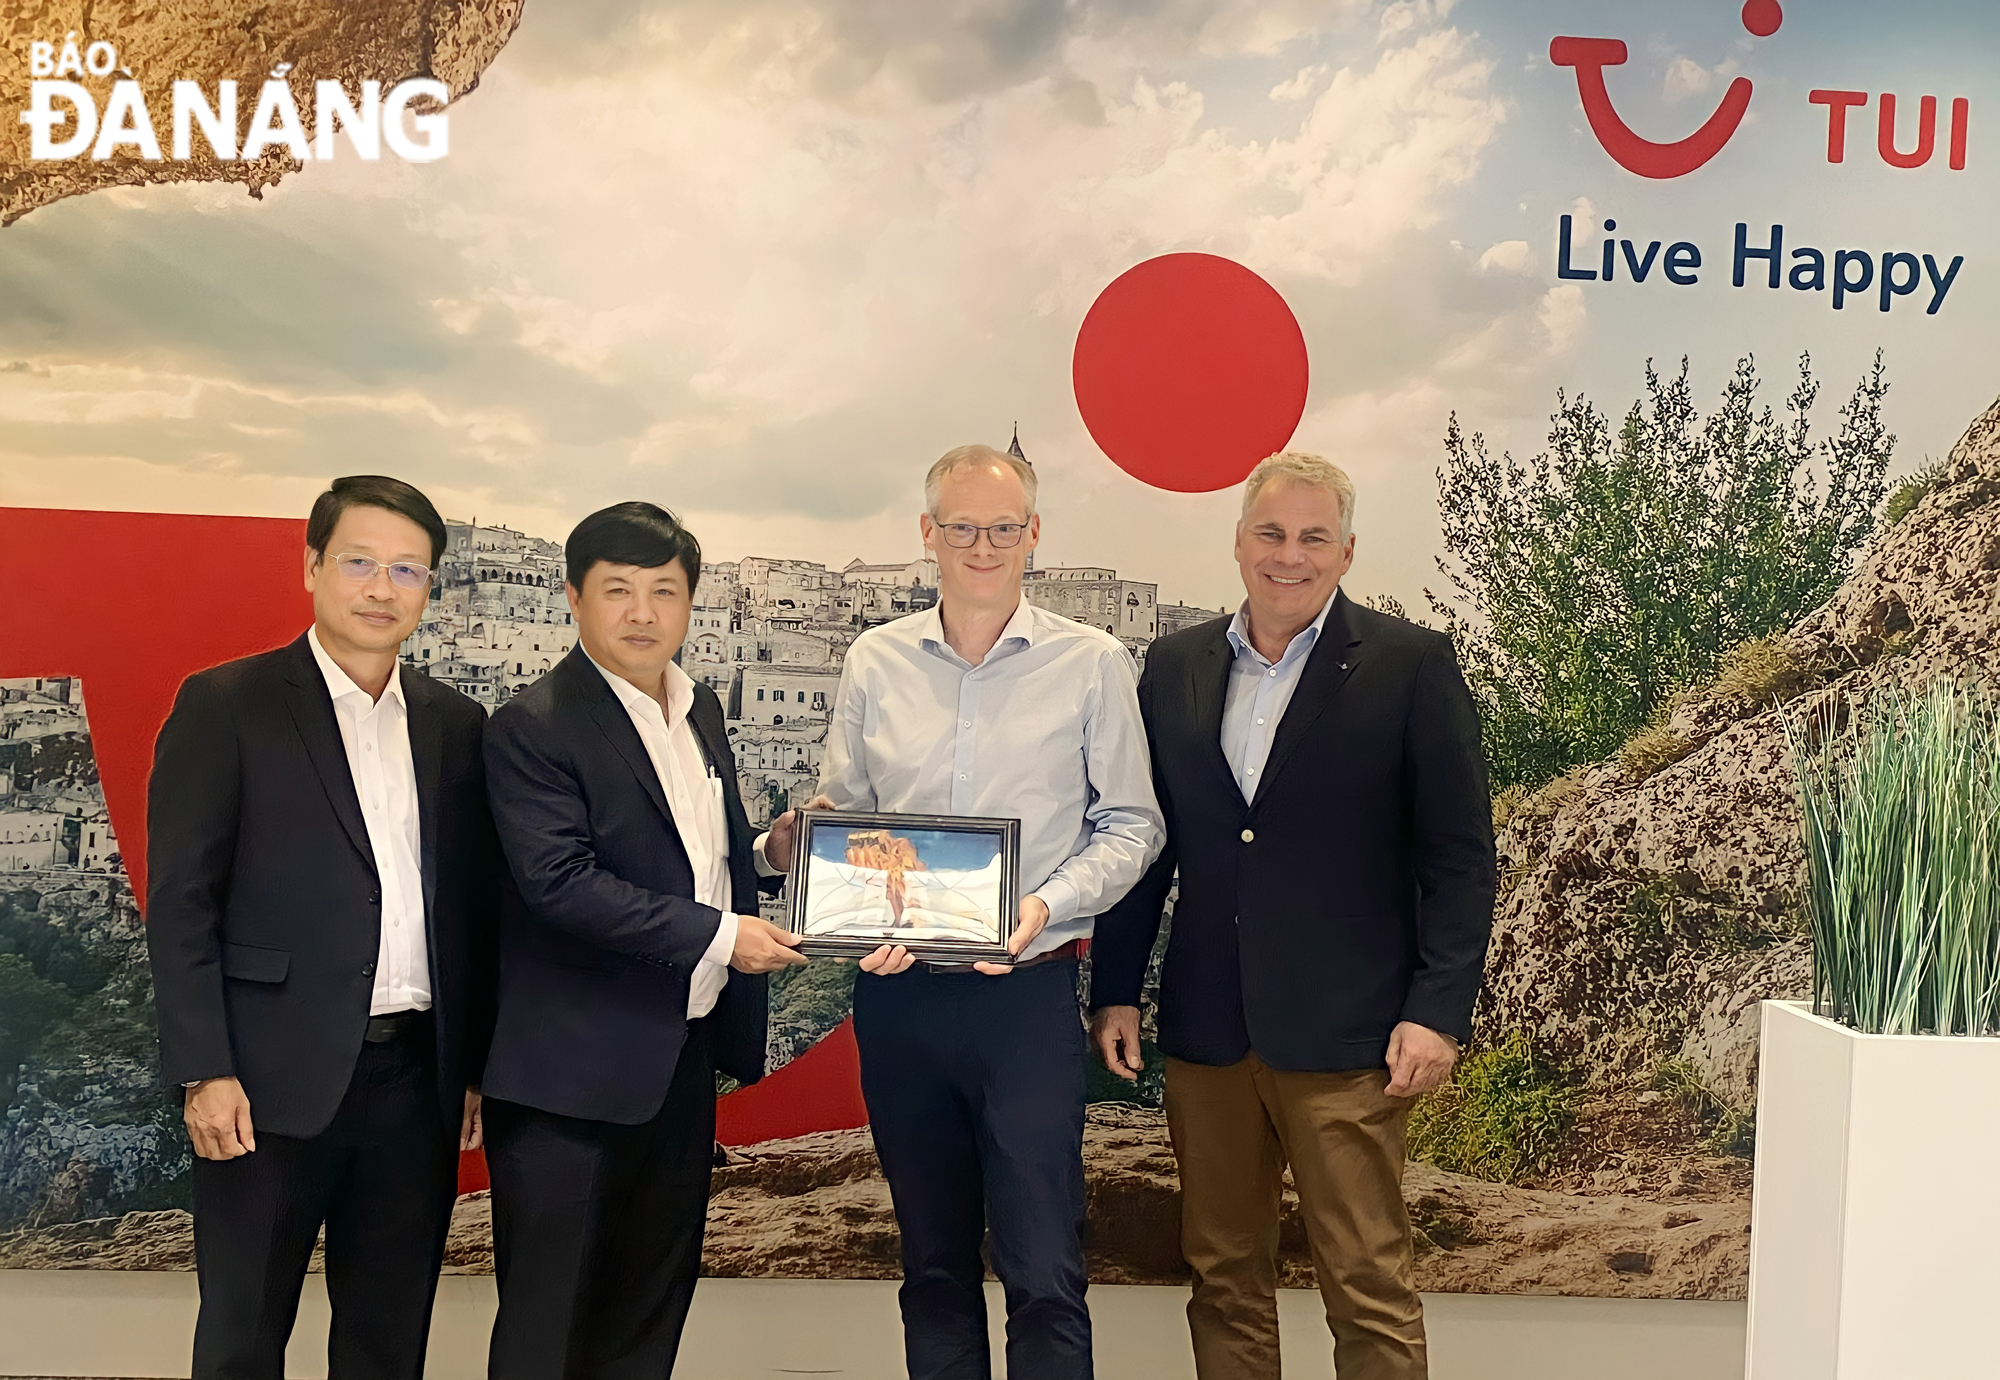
1762 17
1189 369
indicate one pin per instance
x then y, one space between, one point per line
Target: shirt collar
1302 641
1020 627
680 691
339 684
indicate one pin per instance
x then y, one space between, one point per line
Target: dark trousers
381 1178
975 1096
597 1232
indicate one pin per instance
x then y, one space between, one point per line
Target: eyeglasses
361 569
962 535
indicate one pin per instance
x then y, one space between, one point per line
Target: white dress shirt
1045 729
694 796
376 734
1260 690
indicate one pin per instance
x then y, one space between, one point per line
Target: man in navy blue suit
628 970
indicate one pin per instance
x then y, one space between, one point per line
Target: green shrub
1503 1117
1651 750
1730 1130
1910 491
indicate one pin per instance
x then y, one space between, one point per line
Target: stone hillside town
767 635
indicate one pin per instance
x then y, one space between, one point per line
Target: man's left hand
1420 1060
1034 915
471 1131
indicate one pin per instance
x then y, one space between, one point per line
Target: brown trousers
1234 1130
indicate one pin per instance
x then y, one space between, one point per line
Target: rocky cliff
240 40
1646 913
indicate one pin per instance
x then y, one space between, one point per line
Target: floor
133 1325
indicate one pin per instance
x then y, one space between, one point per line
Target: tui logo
1590 56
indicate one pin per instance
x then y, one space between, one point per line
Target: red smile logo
1590 56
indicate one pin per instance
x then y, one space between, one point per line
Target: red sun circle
1189 369
1762 17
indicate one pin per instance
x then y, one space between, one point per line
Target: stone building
1127 609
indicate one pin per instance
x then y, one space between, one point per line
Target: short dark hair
373 491
641 534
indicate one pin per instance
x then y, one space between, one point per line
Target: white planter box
1875 1246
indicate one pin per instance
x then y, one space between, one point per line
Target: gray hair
967 456
1296 467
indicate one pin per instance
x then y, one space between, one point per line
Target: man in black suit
323 890
614 790
1327 810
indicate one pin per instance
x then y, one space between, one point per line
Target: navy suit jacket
264 909
599 928
1353 892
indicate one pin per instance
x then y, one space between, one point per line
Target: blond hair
965 456
1296 467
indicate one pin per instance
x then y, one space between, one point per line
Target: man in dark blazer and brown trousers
1320 769
632 966
321 900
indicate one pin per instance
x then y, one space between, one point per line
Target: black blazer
600 930
1356 889
264 912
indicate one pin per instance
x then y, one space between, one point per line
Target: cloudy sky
762 260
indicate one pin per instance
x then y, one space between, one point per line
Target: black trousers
975 1097
381 1178
597 1232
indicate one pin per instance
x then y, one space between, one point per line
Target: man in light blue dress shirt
974 1077
1259 691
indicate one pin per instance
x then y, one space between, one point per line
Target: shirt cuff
723 946
764 868
1061 897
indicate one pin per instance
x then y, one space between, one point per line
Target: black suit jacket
600 930
264 912
1354 891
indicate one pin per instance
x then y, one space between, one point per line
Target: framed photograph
946 888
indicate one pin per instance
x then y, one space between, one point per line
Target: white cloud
1562 315
1298 87
1685 77
1508 256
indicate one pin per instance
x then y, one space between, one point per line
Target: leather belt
397 1025
1073 949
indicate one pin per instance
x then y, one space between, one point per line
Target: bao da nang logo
1884 275
65 122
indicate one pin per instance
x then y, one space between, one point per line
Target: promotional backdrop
1556 282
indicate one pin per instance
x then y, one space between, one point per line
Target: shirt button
368 971
1274 670
961 776
1260 721
1250 771
966 724
1249 836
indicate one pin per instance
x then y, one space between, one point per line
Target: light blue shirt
1045 730
1259 691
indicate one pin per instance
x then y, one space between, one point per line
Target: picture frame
945 887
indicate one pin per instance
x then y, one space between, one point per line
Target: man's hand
784 835
471 1131
890 958
761 947
1034 915
1115 1029
1420 1060
217 1113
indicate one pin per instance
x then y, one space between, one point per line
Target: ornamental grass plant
1901 811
